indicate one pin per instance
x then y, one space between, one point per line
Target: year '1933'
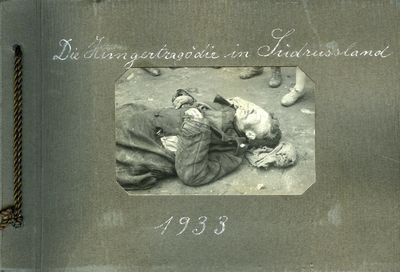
197 226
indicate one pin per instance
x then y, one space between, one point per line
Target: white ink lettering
202 222
166 223
222 221
183 221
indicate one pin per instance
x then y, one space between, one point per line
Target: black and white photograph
215 131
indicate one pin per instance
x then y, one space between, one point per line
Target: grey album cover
207 136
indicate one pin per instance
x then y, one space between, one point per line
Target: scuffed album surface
203 135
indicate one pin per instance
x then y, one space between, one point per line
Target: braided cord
13 215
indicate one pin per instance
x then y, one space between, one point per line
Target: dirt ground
297 124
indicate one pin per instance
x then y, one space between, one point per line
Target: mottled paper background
78 219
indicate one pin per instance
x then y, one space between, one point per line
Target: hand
182 100
238 102
195 113
170 143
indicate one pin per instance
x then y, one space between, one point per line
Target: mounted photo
215 131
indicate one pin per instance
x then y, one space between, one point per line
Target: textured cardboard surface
347 221
19 24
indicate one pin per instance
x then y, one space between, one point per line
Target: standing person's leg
251 72
296 92
276 77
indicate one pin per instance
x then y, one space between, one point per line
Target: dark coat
207 150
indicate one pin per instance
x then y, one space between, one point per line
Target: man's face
252 119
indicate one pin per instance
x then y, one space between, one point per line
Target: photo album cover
208 136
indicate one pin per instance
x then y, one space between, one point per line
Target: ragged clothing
208 148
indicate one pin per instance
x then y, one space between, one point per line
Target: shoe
276 78
153 71
251 72
291 97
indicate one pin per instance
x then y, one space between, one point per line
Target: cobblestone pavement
297 123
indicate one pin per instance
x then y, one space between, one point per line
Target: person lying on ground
197 142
